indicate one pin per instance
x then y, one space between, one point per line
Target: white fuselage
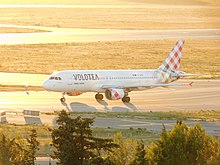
98 80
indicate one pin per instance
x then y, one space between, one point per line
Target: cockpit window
55 78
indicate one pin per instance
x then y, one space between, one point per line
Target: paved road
212 128
64 35
204 95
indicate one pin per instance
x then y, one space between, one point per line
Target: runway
203 95
67 35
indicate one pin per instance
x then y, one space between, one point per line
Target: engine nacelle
74 93
114 94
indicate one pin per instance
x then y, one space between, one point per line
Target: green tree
216 160
32 147
200 146
11 151
4 150
125 153
183 145
74 143
140 154
102 147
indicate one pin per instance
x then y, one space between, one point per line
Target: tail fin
172 62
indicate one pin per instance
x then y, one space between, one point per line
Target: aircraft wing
140 86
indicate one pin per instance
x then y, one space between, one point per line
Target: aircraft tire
99 96
126 99
63 99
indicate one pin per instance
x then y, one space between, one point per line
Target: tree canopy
140 154
18 151
125 153
74 143
183 145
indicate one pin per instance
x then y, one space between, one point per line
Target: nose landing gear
63 99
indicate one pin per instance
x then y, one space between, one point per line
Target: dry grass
121 18
177 2
170 2
201 57
62 2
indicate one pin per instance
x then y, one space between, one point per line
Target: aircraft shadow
32 120
131 106
80 107
105 105
66 106
120 109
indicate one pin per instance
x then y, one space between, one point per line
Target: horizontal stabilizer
185 75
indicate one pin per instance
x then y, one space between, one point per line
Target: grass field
157 14
44 137
159 17
201 57
170 2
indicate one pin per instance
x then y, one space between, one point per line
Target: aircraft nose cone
46 85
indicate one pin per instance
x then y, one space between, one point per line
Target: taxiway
67 35
203 95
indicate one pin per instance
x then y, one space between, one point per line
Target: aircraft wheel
99 96
96 96
63 99
126 99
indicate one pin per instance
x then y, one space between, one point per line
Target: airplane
116 84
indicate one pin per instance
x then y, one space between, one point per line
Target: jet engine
114 94
74 93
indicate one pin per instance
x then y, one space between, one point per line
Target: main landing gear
99 96
63 99
126 99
